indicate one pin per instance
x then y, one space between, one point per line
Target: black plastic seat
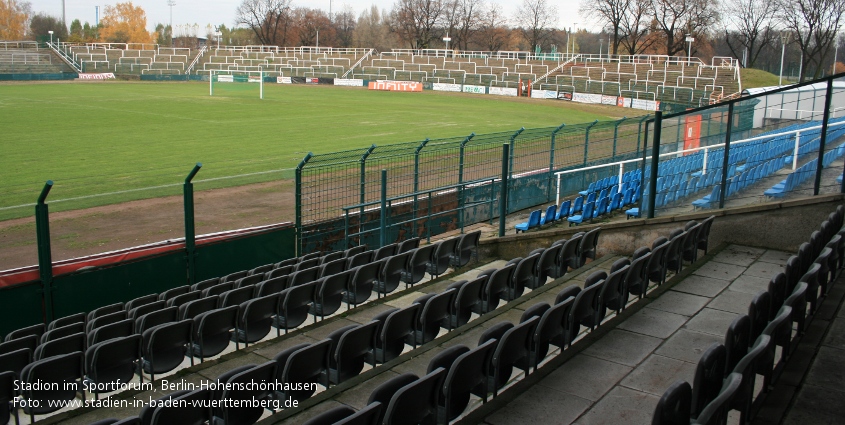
811 277
570 291
549 331
583 312
172 292
145 309
328 296
64 372
709 373
547 266
194 308
213 331
279 272
218 289
465 302
385 391
466 375
417 265
690 245
255 318
360 287
416 402
332 416
588 245
395 326
351 345
235 296
188 409
747 367
368 415
793 273
391 273
67 320
656 267
673 408
385 251
674 253
716 412
704 233
15 361
332 256
408 245
111 362
359 259
307 365
636 280
758 312
512 350
310 256
301 277
245 387
825 268
138 302
569 256
249 280
524 275
63 332
441 259
351 252
466 247
179 300
798 301
333 267
163 347
287 262
155 318
434 311
736 342
777 292
232 277
779 329
270 286
113 330
207 283
7 394
260 270
104 310
495 288
307 264
294 304
612 292
64 345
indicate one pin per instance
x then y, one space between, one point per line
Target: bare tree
752 27
678 17
270 20
416 22
610 13
493 30
461 20
535 19
813 24
635 27
372 30
344 23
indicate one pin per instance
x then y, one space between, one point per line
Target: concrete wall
783 226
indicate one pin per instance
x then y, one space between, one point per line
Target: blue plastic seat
533 221
563 210
551 215
587 214
601 207
589 190
709 200
577 205
615 202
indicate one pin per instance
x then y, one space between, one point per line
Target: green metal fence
435 186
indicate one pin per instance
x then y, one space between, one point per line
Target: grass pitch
140 140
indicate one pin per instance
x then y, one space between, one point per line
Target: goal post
238 80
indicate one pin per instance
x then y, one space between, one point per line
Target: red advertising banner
396 86
692 132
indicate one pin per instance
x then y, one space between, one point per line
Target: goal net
236 83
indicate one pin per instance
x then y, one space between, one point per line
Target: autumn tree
164 35
344 25
270 20
610 14
124 23
417 22
535 19
493 31
372 30
311 24
14 17
40 26
813 25
635 27
676 18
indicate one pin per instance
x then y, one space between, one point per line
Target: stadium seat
212 332
533 221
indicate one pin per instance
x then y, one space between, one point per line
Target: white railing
705 149
800 113
196 59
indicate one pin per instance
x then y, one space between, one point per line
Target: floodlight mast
784 38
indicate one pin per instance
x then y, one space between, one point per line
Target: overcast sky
215 12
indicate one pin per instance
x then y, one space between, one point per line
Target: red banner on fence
396 86
692 132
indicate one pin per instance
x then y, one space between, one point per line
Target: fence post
503 196
655 162
513 147
616 135
190 228
587 140
460 181
640 131
298 201
45 255
552 162
417 182
823 139
725 165
363 190
383 215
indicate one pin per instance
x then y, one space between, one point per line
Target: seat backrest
736 341
146 309
215 322
589 243
63 345
199 286
332 267
524 273
550 326
513 347
674 405
155 318
232 277
249 280
307 264
167 336
498 282
777 293
351 252
384 392
62 332
547 264
416 401
137 302
306 365
190 408
758 312
446 357
386 251
67 320
258 309
709 373
399 324
218 289
359 259
102 311
108 355
14 362
271 286
534 218
437 307
332 416
747 365
105 319
303 276
570 291
178 300
569 255
583 308
393 268
113 330
368 415
279 272
535 310
408 245
798 301
192 308
352 348
62 370
793 273
465 247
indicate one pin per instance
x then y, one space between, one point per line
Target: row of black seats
726 373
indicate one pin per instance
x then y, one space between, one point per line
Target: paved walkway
620 377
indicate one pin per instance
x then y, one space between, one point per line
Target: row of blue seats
803 173
588 211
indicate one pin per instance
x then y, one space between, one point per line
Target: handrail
196 59
366 55
543 77
65 56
